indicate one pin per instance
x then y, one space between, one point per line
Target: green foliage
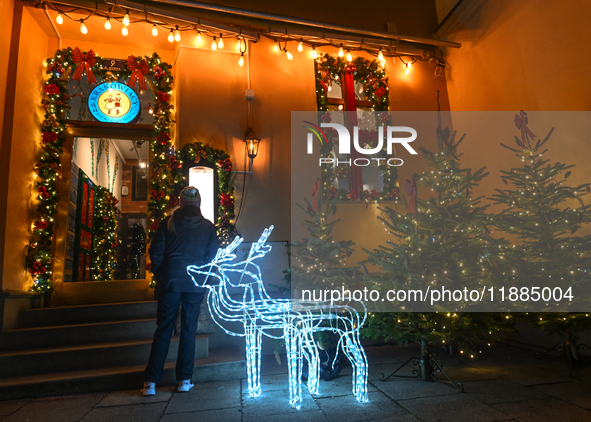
543 213
443 240
321 260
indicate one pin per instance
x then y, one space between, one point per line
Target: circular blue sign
113 102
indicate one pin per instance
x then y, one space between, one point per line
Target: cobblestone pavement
503 384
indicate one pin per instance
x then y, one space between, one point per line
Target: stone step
223 364
76 335
96 356
87 314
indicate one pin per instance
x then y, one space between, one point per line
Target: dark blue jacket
187 240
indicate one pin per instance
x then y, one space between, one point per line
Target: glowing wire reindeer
296 320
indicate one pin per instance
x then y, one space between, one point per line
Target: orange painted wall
6 10
519 55
25 143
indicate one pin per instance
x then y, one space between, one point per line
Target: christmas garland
196 153
74 63
372 75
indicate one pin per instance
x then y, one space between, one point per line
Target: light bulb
126 19
108 24
214 44
276 46
221 42
59 18
408 65
170 36
314 53
341 52
239 44
380 56
83 28
125 31
241 60
289 55
177 34
300 47
349 56
198 40
155 30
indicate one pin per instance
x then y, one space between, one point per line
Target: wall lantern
203 178
252 144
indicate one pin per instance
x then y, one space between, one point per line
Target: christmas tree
443 239
543 213
321 259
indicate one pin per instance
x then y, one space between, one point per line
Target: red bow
521 123
84 61
411 189
138 72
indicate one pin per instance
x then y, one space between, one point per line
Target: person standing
183 239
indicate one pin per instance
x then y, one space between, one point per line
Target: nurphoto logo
344 143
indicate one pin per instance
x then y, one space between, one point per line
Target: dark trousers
168 307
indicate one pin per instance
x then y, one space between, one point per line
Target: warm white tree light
408 65
155 30
241 60
349 56
125 31
314 53
289 55
341 52
59 18
177 34
221 42
126 19
83 27
108 24
171 36
214 44
198 40
301 47
381 56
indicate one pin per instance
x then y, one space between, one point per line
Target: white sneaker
149 389
184 386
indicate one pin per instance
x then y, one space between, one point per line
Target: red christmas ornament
163 138
163 96
48 137
51 89
332 192
380 92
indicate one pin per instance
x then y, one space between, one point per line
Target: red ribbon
315 189
84 62
521 123
411 189
139 70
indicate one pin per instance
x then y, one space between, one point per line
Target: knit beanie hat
190 196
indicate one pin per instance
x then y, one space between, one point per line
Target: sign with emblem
114 102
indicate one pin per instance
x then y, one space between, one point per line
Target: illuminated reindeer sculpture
296 320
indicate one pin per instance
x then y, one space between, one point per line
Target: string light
341 52
108 24
241 60
214 44
83 27
314 53
171 36
349 56
126 19
221 42
276 46
198 40
177 34
380 56
408 65
288 54
125 31
155 30
301 47
263 315
59 18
